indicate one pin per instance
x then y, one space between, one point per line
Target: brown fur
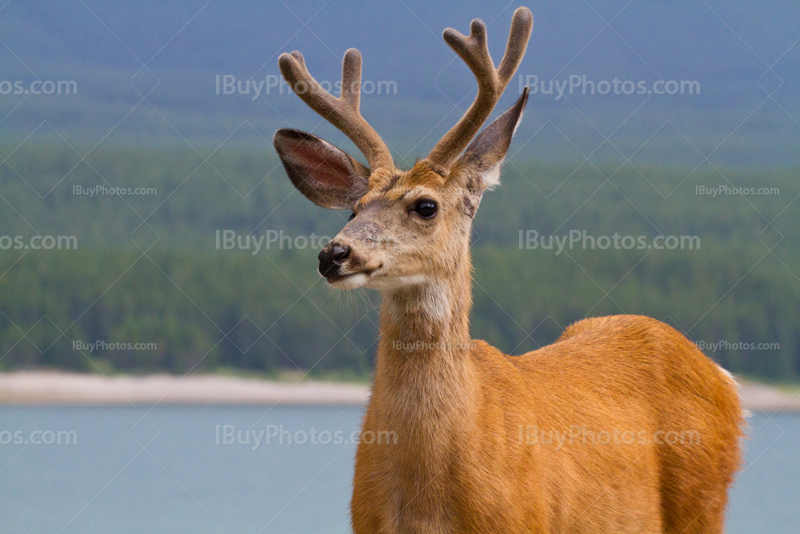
461 464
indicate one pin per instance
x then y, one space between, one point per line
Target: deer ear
326 175
486 153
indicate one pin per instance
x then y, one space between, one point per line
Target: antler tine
351 78
342 112
491 82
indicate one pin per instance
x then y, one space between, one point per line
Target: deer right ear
488 150
326 175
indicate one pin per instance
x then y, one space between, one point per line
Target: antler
491 82
342 112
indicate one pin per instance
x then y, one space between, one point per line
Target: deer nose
331 258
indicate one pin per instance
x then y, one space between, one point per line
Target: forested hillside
172 285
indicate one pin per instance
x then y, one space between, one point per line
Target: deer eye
425 208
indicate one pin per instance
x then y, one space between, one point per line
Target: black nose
331 258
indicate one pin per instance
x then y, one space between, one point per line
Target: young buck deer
622 425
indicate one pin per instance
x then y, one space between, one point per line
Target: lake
257 470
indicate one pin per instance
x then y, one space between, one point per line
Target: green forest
146 287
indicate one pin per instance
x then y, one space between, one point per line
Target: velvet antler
491 82
342 112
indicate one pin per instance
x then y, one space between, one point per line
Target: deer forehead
393 184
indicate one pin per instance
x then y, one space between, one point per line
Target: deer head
412 226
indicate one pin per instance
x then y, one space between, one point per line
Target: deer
622 425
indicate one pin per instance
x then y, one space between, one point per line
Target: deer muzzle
331 259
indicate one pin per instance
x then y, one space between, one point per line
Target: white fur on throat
390 284
433 302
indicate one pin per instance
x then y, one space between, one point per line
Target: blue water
172 472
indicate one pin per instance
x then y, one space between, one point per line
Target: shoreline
53 388
57 388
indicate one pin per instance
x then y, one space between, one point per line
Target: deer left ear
326 175
486 153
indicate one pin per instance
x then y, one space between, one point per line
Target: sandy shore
44 387
40 387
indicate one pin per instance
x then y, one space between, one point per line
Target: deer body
587 435
465 460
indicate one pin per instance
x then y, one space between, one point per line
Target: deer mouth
351 280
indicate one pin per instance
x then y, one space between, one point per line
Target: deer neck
423 365
424 392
